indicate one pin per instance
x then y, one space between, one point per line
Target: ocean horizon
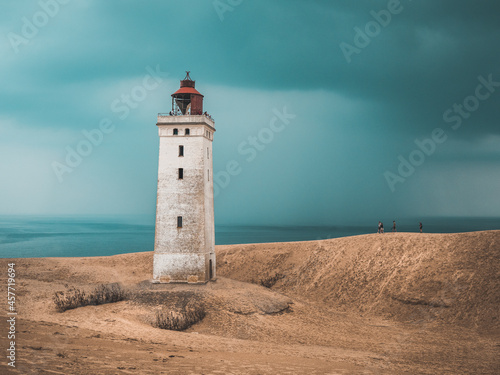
80 236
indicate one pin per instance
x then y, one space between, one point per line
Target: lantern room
187 100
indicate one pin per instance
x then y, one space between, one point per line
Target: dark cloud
361 115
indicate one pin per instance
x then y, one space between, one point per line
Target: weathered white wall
182 254
209 203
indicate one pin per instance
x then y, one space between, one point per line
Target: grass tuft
74 297
179 321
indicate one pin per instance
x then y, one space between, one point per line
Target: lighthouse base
192 268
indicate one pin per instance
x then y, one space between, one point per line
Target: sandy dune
373 304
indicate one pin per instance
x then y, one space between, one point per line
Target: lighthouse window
179 221
208 173
181 150
208 155
187 131
176 131
181 173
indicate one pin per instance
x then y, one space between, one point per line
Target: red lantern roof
187 90
187 86
187 100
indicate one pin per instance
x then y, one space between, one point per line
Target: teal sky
362 84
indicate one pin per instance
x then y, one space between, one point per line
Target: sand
401 303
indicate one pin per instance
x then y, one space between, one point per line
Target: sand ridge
388 274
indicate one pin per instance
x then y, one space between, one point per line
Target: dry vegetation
179 321
75 297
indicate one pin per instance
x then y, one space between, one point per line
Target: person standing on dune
420 226
394 226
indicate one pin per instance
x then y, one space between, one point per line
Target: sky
334 112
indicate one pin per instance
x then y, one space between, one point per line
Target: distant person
394 226
420 226
382 227
379 227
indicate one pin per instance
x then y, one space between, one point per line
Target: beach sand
403 303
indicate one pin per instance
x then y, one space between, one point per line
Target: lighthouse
184 232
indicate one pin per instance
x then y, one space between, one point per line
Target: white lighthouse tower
184 234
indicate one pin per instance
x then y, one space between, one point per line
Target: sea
83 236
